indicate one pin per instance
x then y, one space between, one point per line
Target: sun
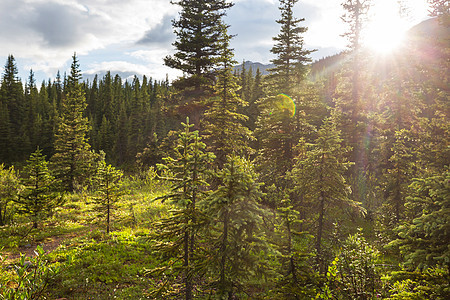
386 29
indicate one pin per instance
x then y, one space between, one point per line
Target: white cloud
47 32
43 34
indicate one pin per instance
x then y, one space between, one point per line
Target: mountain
254 66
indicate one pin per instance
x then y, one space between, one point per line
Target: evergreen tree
199 40
397 177
39 197
72 156
177 234
357 275
10 188
423 238
296 280
235 220
34 119
223 127
350 110
256 94
291 57
279 127
319 173
108 184
13 114
199 47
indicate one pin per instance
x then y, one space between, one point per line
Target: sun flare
386 29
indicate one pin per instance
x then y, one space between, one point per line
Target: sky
131 37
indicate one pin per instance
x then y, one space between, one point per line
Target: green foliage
39 197
358 276
431 283
291 57
423 238
13 115
319 175
10 188
296 280
31 276
176 236
72 158
108 189
223 125
234 231
198 47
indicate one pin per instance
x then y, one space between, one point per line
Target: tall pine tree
72 158
39 197
199 46
223 126
178 233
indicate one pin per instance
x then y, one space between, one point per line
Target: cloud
254 21
161 33
45 33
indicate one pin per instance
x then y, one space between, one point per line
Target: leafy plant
30 278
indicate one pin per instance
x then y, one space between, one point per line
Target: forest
320 180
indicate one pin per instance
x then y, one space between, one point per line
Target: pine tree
319 173
279 127
109 189
291 60
223 127
10 188
350 110
72 156
423 238
39 197
177 234
199 46
199 40
235 218
12 125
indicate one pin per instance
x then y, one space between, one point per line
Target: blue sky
132 37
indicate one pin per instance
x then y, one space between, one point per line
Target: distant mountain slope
254 66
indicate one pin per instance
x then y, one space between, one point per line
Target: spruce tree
396 179
177 235
235 218
223 127
34 119
72 156
350 110
199 47
39 197
10 187
423 237
296 278
108 189
291 56
198 42
319 173
13 114
280 127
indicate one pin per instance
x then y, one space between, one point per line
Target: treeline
122 115
270 175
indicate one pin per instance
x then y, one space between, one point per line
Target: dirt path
49 244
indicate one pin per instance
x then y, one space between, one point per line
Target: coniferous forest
320 180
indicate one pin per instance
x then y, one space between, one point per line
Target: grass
103 266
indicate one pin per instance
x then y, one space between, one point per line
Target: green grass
103 266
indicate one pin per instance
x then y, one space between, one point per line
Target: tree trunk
223 249
187 279
319 233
